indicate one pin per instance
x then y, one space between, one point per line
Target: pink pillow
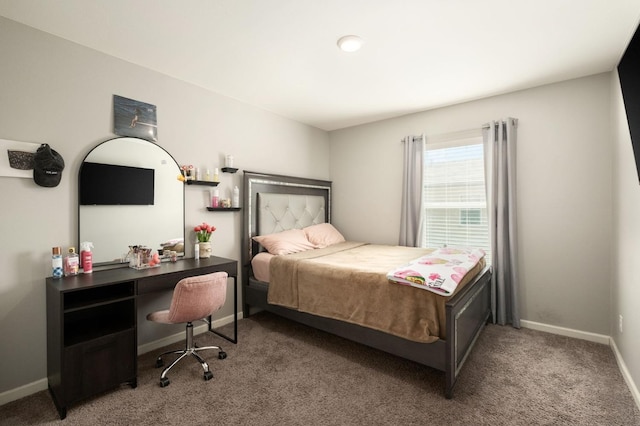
323 235
285 242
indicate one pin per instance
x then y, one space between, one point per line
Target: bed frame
466 312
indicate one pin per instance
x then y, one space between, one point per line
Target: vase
205 249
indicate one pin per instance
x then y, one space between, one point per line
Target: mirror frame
122 263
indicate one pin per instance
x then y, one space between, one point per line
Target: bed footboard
467 313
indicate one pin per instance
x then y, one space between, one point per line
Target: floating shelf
223 209
229 170
201 182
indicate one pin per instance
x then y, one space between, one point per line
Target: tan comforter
347 282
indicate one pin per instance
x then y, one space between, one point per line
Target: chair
194 298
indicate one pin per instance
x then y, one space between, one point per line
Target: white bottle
196 251
235 200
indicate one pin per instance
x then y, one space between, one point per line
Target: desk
92 328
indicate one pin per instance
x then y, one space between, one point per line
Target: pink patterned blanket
440 271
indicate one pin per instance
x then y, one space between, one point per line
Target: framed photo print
134 118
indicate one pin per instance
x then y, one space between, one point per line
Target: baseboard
592 337
22 391
625 373
569 332
42 384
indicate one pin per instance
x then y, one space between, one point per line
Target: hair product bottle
56 262
71 262
86 257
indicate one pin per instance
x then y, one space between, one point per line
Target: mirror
113 228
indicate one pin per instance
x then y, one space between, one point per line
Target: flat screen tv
108 184
629 73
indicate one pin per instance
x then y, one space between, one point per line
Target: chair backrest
198 297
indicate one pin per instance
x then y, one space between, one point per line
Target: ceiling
281 55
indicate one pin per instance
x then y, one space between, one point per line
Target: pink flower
204 231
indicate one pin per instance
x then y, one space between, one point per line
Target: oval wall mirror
129 194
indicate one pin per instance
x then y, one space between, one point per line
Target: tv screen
108 184
629 73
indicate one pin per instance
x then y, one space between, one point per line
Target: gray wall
60 93
625 289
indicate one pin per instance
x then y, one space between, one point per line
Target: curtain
412 210
499 139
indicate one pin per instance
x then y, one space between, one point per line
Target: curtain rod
515 122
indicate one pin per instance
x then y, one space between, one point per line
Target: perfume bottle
71 262
56 262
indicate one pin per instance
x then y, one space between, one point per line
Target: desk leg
235 316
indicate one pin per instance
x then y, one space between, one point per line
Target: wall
625 292
563 191
57 92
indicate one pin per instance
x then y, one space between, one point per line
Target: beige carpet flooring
282 373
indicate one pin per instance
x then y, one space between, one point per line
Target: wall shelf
229 170
201 182
223 209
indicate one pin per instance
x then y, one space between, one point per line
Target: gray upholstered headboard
272 203
279 212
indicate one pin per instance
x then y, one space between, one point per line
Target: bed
442 340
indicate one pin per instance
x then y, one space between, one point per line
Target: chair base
190 350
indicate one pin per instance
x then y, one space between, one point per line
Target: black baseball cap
47 166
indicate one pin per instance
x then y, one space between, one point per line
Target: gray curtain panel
412 210
500 168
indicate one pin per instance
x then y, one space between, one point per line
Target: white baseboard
22 391
592 337
42 384
569 332
625 373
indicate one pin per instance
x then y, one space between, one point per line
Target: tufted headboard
279 212
274 203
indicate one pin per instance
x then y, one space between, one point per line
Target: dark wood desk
92 330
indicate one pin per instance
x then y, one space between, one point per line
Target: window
454 195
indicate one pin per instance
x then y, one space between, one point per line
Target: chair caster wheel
208 375
164 382
222 355
159 363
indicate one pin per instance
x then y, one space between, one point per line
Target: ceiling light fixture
350 43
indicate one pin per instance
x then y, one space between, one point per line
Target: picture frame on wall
134 118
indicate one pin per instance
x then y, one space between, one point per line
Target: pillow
285 242
323 235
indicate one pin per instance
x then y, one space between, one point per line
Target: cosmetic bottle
235 200
71 262
207 176
196 251
56 262
86 257
216 176
215 198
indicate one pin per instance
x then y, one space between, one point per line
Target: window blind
454 195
